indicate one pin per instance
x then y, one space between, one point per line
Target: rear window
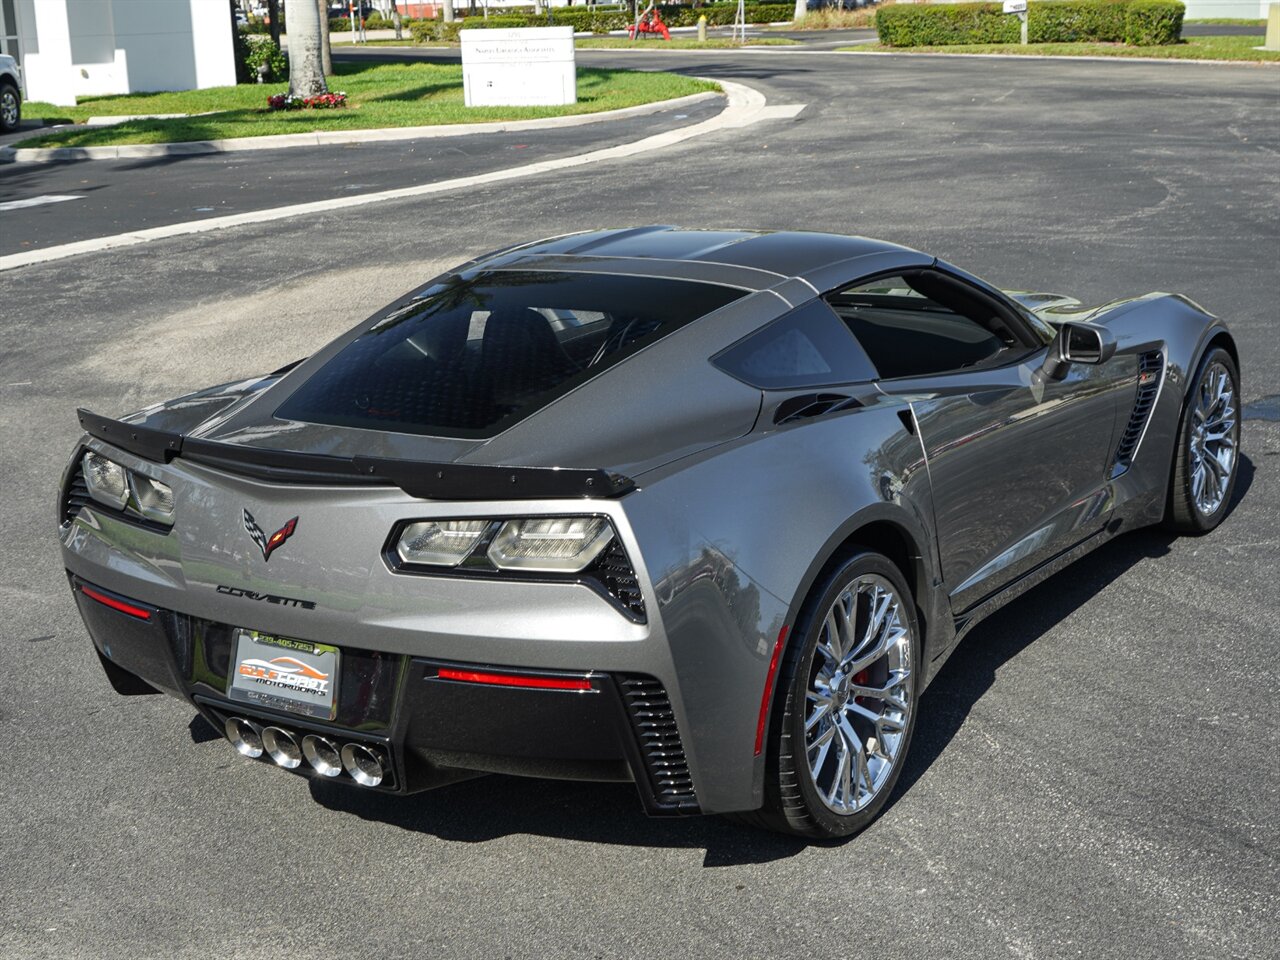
479 353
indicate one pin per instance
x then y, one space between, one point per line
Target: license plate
286 674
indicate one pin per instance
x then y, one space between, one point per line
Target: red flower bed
324 101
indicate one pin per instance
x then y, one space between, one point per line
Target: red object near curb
650 22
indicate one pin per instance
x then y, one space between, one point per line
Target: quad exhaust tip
363 764
245 736
282 747
323 755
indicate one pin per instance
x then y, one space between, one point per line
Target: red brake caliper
860 678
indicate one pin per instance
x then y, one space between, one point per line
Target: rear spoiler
418 478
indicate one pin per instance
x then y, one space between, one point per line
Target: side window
808 347
922 323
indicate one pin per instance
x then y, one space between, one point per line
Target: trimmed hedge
1153 23
587 20
934 25
503 22
1139 22
373 21
1076 21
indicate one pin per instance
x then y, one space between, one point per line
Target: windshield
479 353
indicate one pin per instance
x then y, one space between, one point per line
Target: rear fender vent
661 750
613 572
76 493
1150 376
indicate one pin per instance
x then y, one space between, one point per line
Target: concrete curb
745 106
331 138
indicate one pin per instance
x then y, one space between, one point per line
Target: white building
71 47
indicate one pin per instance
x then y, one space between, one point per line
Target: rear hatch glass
477 354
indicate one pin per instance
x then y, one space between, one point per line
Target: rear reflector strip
768 689
514 680
115 604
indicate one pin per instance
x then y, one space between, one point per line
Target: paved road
116 196
1223 30
1096 770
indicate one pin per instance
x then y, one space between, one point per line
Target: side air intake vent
810 405
1150 373
661 749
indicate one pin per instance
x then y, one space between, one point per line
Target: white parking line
40 201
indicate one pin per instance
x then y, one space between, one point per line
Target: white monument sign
519 68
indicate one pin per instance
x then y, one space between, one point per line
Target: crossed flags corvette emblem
268 544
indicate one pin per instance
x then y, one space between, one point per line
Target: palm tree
306 70
273 14
326 54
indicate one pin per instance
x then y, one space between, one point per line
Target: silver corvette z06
701 510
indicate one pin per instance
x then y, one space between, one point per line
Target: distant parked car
10 94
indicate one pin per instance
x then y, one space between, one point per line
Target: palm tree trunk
273 14
448 11
395 18
801 7
306 69
326 55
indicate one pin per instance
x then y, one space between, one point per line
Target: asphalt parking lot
1095 773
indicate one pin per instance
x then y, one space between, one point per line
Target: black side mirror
1086 343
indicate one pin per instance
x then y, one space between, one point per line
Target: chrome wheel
859 697
1212 442
8 108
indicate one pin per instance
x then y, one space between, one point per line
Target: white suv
10 94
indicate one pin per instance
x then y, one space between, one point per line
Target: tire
797 793
1201 486
10 107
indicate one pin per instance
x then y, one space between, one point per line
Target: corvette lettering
267 598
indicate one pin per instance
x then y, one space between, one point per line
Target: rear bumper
431 730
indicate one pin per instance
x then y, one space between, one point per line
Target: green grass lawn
1191 48
381 95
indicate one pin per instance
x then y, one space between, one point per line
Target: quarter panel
729 539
